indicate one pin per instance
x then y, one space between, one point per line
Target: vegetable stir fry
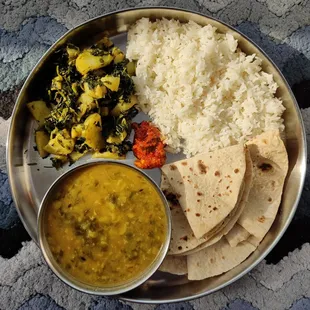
90 105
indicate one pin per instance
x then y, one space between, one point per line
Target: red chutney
148 146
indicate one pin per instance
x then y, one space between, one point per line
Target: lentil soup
106 224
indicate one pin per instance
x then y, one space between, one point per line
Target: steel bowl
74 282
28 189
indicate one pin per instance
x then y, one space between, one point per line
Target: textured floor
28 28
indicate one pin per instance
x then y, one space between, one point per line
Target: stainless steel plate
31 176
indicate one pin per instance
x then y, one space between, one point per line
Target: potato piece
131 68
107 154
93 132
73 51
96 92
87 103
74 156
120 133
124 106
42 138
117 139
119 58
77 131
60 144
85 99
39 111
111 82
86 61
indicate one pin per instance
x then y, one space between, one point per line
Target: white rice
198 87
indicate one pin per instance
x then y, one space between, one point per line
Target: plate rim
303 163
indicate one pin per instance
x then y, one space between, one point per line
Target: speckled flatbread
237 235
174 265
270 166
208 187
232 235
217 259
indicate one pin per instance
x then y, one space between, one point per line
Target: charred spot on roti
236 170
199 193
180 248
265 167
220 195
227 187
269 199
171 179
191 169
171 197
202 167
209 206
220 181
211 260
223 257
185 238
173 167
188 210
184 163
198 200
183 177
261 219
217 173
214 208
197 214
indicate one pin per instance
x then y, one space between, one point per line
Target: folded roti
237 235
182 236
208 187
233 235
174 265
217 259
270 166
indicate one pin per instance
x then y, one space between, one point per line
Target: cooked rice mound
199 88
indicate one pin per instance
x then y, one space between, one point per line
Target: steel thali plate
30 176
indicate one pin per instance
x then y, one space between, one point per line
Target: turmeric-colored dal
106 224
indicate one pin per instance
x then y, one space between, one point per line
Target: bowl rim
101 291
303 155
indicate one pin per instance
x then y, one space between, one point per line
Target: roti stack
222 204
